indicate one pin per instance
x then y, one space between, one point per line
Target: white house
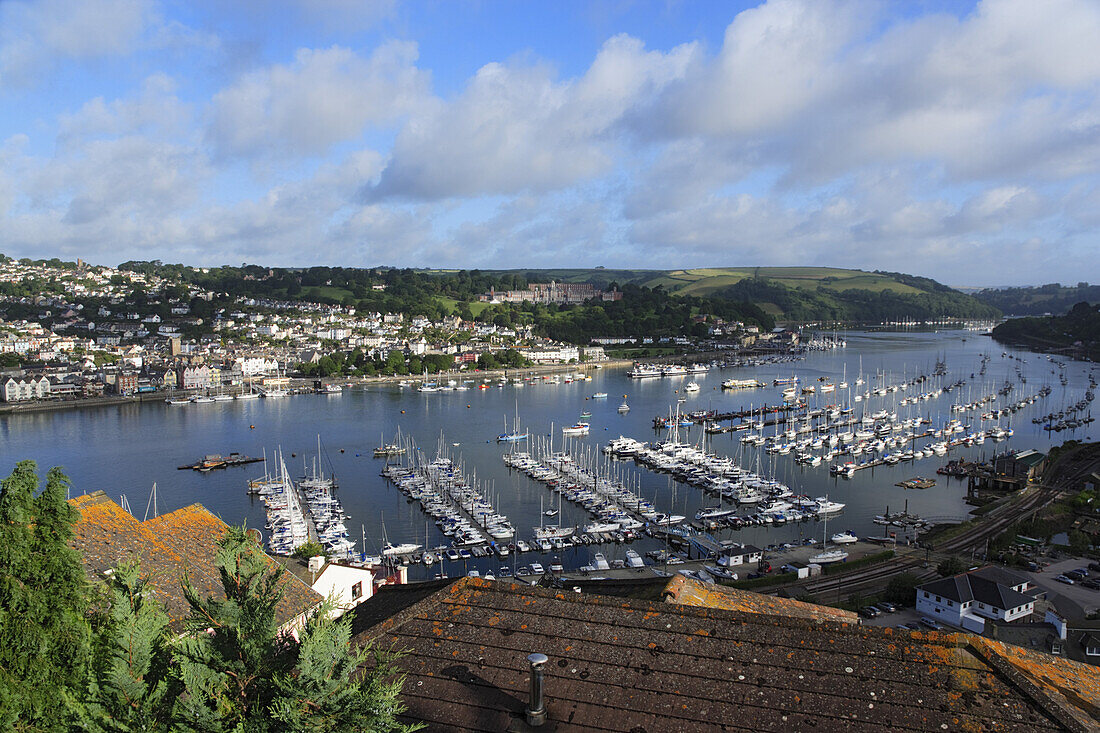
347 585
30 388
551 354
967 599
743 555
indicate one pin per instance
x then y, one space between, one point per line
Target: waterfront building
25 388
967 599
193 377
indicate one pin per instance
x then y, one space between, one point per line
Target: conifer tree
132 685
44 633
241 674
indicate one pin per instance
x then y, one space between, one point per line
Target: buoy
341 450
293 455
402 412
467 407
251 427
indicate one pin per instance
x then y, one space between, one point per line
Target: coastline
297 383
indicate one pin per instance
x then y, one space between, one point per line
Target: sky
955 140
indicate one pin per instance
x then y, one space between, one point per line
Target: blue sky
955 140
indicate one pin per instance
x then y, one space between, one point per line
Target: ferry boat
781 381
641 371
742 384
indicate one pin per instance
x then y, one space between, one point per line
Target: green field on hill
704 281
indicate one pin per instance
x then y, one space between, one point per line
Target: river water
123 451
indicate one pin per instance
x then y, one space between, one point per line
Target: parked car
1064 579
887 606
1094 566
1092 583
902 627
1074 575
931 623
913 626
869 612
1083 571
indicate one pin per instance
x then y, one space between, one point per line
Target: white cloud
35 34
324 97
514 128
818 132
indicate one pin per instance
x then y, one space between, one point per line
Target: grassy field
475 307
704 281
325 291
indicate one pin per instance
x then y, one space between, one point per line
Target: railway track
919 563
1075 465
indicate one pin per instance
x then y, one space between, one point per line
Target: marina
702 487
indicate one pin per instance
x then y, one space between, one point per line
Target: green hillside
705 281
792 293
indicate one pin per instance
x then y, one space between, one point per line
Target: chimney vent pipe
536 709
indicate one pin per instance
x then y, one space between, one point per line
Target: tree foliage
132 686
74 660
44 633
241 674
902 588
950 566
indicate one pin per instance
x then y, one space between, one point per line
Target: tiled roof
183 541
629 665
991 586
999 575
693 593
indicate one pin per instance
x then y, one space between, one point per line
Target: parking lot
1085 599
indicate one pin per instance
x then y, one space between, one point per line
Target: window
925 594
357 590
949 603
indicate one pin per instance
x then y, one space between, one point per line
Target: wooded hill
655 303
1077 332
1052 299
798 294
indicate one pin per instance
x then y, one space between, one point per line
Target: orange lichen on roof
1078 683
689 592
171 546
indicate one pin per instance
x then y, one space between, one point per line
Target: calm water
123 451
